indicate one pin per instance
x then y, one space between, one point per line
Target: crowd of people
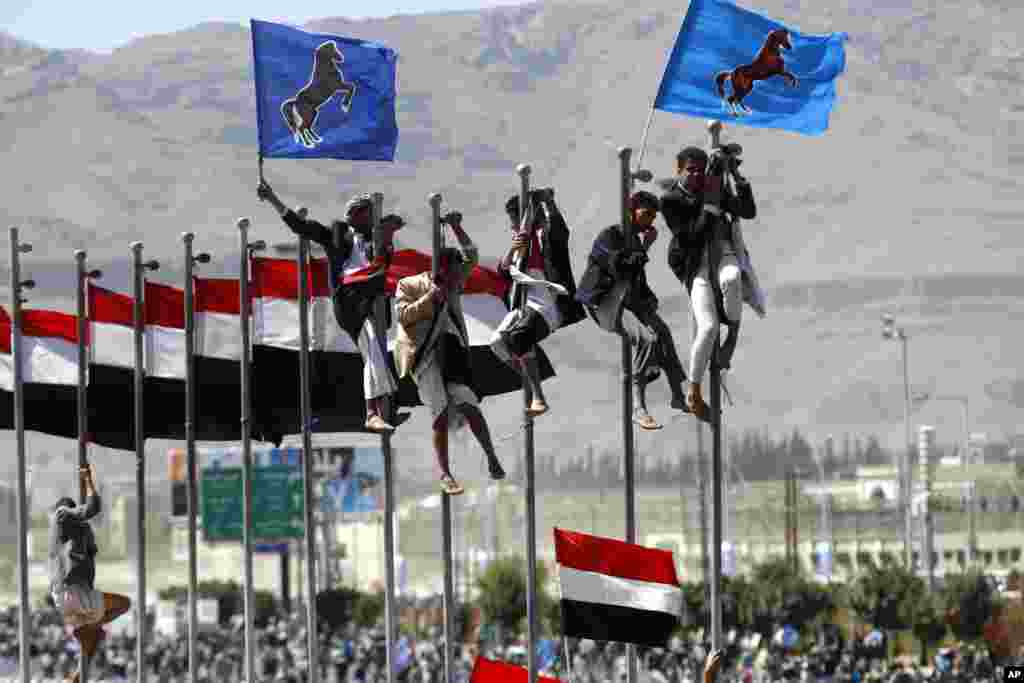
358 655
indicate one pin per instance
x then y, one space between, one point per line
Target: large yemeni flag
49 359
491 671
112 373
218 358
613 590
112 364
335 363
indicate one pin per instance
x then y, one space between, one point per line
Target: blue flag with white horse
733 64
323 96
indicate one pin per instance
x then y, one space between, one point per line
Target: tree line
756 455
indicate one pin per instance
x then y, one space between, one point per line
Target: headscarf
360 201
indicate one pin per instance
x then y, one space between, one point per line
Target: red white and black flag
335 363
613 590
492 671
49 372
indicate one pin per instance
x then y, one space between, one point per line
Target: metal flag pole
190 453
714 131
305 405
139 281
17 285
380 312
247 531
629 450
446 501
82 406
643 138
83 366
526 218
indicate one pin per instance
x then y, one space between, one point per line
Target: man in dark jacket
357 278
704 254
72 565
548 288
615 292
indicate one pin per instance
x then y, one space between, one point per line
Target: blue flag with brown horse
737 65
323 96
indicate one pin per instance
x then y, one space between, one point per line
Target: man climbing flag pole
323 96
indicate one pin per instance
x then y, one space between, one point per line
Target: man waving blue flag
323 96
730 61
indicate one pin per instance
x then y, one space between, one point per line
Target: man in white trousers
708 255
357 278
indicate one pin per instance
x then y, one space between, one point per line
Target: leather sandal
537 408
377 425
450 486
646 421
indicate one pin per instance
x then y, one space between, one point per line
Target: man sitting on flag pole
615 292
550 289
708 255
432 347
357 278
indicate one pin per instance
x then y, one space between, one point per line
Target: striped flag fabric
49 358
218 359
275 355
492 671
617 591
51 367
112 365
335 363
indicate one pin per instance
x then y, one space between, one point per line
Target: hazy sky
107 24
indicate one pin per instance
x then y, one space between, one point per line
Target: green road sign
277 511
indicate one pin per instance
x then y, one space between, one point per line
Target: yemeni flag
275 356
336 365
613 590
112 365
218 358
491 671
49 359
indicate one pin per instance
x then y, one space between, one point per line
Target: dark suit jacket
353 304
602 273
554 248
693 229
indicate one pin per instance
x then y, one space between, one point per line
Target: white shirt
542 299
357 260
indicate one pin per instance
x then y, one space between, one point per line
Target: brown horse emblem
768 63
300 112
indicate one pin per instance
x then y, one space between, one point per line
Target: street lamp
891 332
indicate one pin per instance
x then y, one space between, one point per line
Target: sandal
450 486
647 422
377 425
537 408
